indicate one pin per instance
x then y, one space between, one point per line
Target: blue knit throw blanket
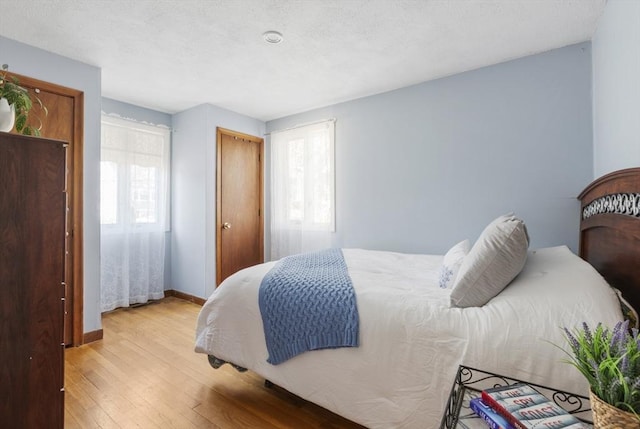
307 302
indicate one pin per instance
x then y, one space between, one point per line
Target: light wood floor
145 374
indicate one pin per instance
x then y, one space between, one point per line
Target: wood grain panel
239 202
611 242
32 219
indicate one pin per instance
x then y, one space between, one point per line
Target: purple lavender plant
610 361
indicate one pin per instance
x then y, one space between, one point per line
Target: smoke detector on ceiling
272 37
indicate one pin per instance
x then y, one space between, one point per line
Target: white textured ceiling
170 55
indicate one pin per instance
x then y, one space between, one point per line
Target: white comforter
411 341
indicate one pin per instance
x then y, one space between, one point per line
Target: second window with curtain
302 189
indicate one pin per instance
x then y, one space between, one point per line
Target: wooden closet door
240 229
32 228
64 122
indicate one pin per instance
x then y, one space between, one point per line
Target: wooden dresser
32 229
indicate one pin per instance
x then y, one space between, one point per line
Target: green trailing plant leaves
22 102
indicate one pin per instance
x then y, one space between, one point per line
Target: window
134 170
108 193
302 186
303 175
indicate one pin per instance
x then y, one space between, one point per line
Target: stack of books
520 406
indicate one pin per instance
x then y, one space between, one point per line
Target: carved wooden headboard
610 230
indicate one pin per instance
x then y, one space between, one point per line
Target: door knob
226 225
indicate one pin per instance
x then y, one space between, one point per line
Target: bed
413 336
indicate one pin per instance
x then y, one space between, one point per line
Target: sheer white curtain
302 189
134 178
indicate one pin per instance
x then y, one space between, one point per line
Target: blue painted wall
420 168
188 200
46 66
616 88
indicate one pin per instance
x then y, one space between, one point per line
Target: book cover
517 402
489 415
525 408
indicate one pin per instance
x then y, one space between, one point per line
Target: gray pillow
493 261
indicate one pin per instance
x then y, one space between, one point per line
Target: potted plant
610 361
15 104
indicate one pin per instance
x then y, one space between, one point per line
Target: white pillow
494 260
452 262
